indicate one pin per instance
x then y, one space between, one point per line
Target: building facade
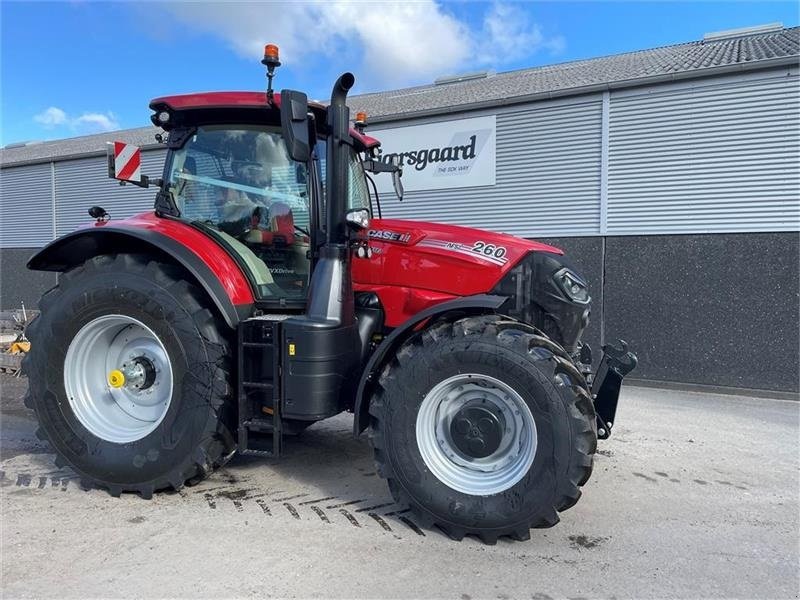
671 176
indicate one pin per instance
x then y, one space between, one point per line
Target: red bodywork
416 265
208 251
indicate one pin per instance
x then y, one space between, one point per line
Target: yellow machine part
116 378
19 348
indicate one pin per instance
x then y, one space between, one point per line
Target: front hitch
614 365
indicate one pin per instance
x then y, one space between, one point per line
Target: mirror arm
144 182
378 166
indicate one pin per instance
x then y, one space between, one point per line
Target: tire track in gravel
231 497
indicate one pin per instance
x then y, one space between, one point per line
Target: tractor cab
229 172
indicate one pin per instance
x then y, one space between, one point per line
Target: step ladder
259 390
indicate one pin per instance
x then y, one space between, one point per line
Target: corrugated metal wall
83 183
26 206
26 197
548 177
708 158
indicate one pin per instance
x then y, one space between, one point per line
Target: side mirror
357 218
374 165
397 183
294 124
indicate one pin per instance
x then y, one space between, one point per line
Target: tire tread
216 445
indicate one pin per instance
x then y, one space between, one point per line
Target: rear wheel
485 427
128 374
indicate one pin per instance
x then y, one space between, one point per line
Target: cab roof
202 102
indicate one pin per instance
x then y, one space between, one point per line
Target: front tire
483 426
129 377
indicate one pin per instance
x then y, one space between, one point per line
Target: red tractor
262 295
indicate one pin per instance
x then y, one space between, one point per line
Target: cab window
357 190
240 183
358 193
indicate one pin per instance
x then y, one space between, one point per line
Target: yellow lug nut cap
116 378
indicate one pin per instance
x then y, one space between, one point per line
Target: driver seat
281 224
275 224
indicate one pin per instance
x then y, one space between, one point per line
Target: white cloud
404 40
97 121
51 117
396 43
86 123
511 34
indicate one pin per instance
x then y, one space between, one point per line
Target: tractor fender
68 251
459 307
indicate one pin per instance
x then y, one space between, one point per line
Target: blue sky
72 68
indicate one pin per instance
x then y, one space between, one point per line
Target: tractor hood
447 259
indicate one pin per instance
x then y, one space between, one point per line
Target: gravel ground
695 495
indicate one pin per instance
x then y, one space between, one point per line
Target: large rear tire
483 426
129 376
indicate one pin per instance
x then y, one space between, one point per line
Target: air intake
743 32
21 144
459 78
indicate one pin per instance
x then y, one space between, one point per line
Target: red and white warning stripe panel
127 162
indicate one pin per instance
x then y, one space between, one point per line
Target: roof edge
73 156
760 65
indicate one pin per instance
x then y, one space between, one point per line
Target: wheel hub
477 431
140 373
118 378
476 434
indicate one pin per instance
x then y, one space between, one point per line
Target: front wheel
485 427
128 375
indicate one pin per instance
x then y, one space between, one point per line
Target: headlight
358 218
573 286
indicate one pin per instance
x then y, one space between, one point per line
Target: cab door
238 184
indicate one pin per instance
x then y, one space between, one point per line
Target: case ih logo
389 236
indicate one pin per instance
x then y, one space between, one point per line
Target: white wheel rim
118 413
483 476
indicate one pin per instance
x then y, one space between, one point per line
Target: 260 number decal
489 249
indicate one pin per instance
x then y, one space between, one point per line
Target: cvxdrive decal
488 252
389 236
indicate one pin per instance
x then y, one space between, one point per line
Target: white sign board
448 154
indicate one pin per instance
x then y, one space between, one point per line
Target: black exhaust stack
331 294
338 144
322 349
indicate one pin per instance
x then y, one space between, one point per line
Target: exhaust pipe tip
346 80
341 87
